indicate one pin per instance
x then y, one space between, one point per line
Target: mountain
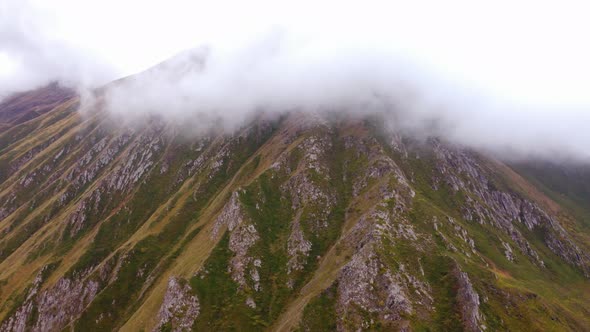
308 222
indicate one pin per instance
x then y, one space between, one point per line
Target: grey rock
179 308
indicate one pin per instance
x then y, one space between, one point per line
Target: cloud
505 76
30 56
273 73
279 73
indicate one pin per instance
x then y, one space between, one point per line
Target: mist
31 56
509 78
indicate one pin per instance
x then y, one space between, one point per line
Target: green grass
222 307
320 314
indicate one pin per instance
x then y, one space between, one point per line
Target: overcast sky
520 67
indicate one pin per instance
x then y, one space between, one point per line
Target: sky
505 75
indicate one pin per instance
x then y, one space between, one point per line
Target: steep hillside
304 222
28 105
568 184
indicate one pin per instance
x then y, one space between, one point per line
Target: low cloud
506 77
275 75
31 57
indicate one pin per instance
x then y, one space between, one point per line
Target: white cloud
500 74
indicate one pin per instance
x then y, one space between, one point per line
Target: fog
31 56
509 77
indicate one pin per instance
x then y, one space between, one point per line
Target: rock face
59 305
231 215
179 309
367 284
503 209
370 290
243 235
52 309
241 239
469 302
18 321
298 247
300 221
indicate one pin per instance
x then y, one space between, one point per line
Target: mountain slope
304 222
25 106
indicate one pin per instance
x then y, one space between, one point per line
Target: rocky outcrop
19 320
138 161
484 203
508 251
58 305
180 307
243 235
120 180
298 247
365 282
8 206
240 240
231 215
469 303
53 308
102 154
307 184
